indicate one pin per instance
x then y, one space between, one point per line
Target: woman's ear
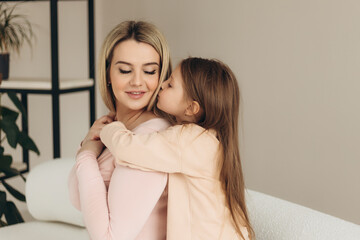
192 109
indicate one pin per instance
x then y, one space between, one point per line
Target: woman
118 202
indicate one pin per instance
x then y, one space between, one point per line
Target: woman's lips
135 94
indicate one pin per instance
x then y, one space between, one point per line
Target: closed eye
124 71
150 72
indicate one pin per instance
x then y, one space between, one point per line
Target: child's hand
94 132
92 140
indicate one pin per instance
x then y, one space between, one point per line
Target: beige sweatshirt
196 203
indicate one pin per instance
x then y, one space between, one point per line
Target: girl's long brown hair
213 85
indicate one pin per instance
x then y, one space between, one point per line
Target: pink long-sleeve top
197 208
118 202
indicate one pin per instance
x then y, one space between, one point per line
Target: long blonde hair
213 85
141 32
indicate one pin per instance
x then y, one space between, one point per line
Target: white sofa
56 218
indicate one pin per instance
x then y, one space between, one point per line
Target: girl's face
171 98
134 74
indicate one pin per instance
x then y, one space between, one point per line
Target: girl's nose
162 86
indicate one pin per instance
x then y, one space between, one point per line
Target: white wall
297 63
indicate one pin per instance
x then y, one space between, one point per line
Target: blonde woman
119 202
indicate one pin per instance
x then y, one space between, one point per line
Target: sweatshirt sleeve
158 151
106 167
92 195
73 187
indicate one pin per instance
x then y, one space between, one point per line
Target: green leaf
15 193
11 130
22 176
3 224
17 103
10 172
12 214
5 162
8 114
2 202
27 143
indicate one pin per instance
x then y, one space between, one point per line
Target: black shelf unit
55 90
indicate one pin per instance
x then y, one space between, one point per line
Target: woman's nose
136 80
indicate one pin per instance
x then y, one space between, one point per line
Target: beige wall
297 63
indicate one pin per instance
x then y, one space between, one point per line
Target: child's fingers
94 132
112 115
103 120
96 137
106 119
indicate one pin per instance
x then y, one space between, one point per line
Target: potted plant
10 132
15 29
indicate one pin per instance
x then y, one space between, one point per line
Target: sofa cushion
274 218
47 194
39 230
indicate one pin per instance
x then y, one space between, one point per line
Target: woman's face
134 74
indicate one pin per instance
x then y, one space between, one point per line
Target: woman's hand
92 140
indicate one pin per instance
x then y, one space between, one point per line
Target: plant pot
4 65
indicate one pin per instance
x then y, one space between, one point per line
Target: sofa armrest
273 218
47 194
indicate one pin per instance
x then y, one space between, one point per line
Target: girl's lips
135 94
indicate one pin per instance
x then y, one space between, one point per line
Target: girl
133 63
201 154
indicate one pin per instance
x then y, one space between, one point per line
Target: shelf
44 84
53 86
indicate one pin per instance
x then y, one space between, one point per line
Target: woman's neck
132 119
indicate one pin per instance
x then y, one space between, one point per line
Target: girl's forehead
174 78
176 73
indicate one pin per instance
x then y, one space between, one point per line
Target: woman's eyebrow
122 62
151 63
145 64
